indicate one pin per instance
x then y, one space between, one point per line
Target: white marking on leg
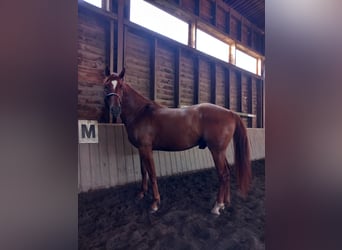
216 209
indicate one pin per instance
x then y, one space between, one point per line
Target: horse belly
175 140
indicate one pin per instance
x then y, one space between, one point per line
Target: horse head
113 86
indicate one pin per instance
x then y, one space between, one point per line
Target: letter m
87 131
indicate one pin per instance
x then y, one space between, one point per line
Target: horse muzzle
116 111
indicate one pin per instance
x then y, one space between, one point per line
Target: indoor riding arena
203 186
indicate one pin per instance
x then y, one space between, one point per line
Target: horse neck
132 104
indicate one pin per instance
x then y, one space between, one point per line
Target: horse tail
242 156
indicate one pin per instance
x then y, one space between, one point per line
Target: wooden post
120 38
213 82
239 91
192 34
153 66
177 77
111 46
227 23
227 88
259 104
197 7
196 78
249 101
213 12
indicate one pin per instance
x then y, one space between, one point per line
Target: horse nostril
115 110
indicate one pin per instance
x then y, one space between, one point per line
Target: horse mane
145 100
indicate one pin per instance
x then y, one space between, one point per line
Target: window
212 46
97 3
159 21
246 61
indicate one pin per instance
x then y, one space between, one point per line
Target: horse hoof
153 210
216 209
155 206
140 196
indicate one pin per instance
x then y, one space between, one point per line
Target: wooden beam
227 88
197 7
120 35
192 34
111 46
153 48
213 82
239 30
227 23
249 101
213 12
239 91
177 77
196 80
259 103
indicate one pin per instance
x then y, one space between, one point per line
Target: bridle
115 110
112 93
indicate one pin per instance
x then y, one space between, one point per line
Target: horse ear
122 73
107 71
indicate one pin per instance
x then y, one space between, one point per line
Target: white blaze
114 83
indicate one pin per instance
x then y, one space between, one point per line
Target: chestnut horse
151 126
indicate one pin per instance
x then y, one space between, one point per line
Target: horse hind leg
227 188
223 195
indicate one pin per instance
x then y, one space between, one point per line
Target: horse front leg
147 162
144 185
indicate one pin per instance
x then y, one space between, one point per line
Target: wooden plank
121 171
178 162
239 91
167 162
112 152
208 158
136 164
188 160
259 104
198 155
197 80
153 76
157 163
213 82
138 60
204 81
177 64
182 161
187 78
111 47
95 165
120 33
79 186
192 159
162 163
249 101
128 158
173 163
227 88
103 156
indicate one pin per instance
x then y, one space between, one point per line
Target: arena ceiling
253 10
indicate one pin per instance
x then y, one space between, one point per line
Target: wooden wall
161 69
91 63
114 161
137 61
